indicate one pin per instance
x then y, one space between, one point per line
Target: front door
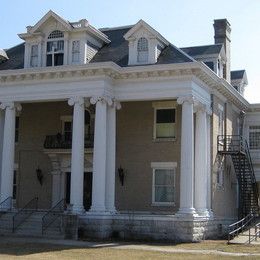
87 189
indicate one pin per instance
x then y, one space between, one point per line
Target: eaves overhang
115 72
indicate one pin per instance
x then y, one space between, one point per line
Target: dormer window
142 50
55 49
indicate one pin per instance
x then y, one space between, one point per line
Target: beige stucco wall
224 198
36 121
136 149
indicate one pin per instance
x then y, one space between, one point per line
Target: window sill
163 204
170 139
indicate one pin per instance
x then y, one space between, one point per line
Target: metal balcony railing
59 141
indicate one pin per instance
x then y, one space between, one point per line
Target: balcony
59 141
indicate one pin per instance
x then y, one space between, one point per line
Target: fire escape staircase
237 148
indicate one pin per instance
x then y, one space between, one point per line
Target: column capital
102 99
11 105
116 104
188 98
78 100
200 107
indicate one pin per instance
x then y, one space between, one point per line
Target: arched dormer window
55 49
142 50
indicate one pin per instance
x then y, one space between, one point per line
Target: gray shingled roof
203 50
237 74
116 51
16 56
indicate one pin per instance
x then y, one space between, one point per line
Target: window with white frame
142 50
220 120
55 49
164 120
34 56
163 190
254 137
75 51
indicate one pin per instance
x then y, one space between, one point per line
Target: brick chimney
222 35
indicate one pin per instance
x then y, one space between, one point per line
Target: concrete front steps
31 227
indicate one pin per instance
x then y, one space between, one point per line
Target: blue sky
182 22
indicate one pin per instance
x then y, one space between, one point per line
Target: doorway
87 189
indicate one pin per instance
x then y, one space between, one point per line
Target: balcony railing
59 141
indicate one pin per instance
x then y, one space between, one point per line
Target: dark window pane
58 59
49 60
87 118
16 129
210 64
165 116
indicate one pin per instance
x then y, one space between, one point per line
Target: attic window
55 49
56 34
142 50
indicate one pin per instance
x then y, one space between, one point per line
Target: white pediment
52 18
143 29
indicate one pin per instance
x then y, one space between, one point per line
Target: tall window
55 49
17 122
142 50
163 183
75 51
220 120
15 185
34 56
254 137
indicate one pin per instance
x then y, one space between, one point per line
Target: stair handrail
6 202
51 215
238 227
25 212
256 235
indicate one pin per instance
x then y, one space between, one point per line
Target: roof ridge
115 28
216 44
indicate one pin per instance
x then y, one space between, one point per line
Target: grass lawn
11 250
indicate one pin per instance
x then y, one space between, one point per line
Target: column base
98 209
78 209
186 213
203 213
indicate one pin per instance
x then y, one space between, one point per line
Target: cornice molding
115 72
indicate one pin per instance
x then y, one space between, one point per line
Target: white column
187 157
111 156
2 120
201 158
100 152
209 182
77 154
8 150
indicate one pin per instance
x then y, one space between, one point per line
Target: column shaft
201 178
8 153
187 158
99 157
111 158
77 156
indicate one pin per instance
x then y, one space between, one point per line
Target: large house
142 139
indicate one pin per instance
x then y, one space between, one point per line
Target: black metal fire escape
237 148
